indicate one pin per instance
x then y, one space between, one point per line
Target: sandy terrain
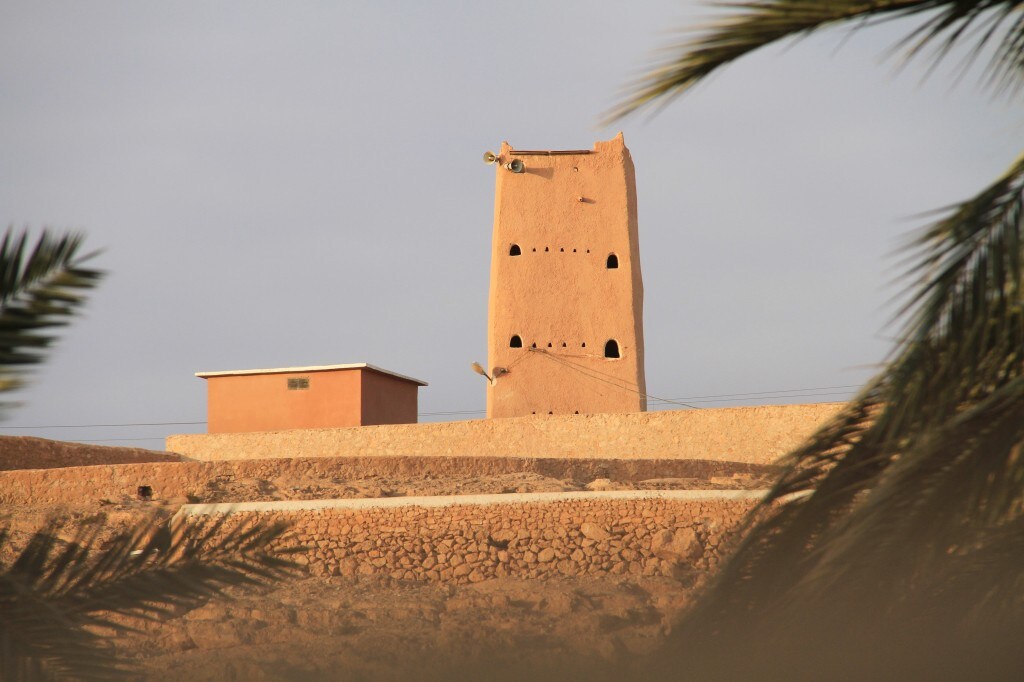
324 628
333 629
28 452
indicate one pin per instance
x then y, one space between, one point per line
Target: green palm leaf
902 520
40 288
753 25
56 598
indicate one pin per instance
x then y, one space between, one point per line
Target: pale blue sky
279 184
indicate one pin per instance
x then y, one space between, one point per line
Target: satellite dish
515 165
491 157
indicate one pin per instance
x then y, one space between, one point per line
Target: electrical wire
95 426
595 374
769 397
111 440
721 398
585 370
763 393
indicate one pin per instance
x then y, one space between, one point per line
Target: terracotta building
326 396
565 332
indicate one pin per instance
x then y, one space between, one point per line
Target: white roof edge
312 368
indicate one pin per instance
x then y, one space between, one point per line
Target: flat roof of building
313 368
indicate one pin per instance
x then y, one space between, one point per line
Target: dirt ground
376 628
333 628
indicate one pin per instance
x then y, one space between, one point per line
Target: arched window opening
611 349
515 250
516 342
613 262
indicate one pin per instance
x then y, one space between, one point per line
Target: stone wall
177 481
652 534
757 435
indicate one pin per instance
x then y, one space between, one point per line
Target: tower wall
567 213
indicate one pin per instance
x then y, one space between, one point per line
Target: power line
96 426
718 398
110 440
762 393
721 398
660 408
590 372
584 371
767 397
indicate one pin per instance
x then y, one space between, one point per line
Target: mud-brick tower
565 332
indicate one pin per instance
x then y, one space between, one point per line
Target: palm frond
907 487
752 25
56 598
41 286
908 525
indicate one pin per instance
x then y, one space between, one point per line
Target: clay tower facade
565 332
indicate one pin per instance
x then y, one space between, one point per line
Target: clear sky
300 183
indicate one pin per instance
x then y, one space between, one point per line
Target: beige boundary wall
755 435
178 481
28 452
534 536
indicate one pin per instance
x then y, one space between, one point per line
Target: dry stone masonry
466 543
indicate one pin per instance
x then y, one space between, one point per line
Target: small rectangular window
298 383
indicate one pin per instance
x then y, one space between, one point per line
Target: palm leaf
909 522
40 288
753 25
56 598
910 484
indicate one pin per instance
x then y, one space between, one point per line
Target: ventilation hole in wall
534 249
563 344
545 249
298 383
574 250
145 492
575 169
534 412
562 250
613 261
583 345
516 342
550 412
533 345
576 412
611 349
515 250
588 250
